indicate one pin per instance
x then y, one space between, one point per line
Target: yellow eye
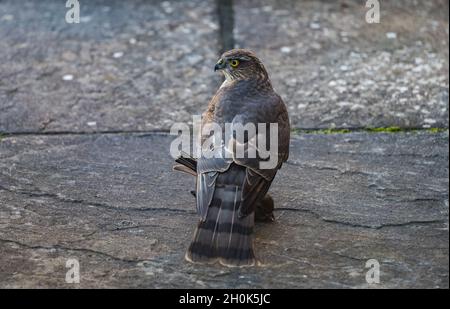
234 63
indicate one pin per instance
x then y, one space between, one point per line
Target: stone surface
112 202
336 70
143 65
136 65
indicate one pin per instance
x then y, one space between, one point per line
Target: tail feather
188 162
223 236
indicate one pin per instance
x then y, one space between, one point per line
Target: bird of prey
231 192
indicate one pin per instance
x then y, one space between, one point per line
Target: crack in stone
349 257
357 225
226 24
95 204
413 155
311 131
116 229
101 132
329 168
83 250
413 200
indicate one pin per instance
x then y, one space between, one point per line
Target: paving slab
336 70
128 65
143 65
112 202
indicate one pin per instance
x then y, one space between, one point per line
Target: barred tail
223 236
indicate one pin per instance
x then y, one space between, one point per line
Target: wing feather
205 192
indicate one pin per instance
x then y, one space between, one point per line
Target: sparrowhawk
232 191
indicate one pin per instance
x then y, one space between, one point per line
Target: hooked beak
219 65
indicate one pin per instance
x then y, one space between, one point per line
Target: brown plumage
232 191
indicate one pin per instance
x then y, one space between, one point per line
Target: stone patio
85 169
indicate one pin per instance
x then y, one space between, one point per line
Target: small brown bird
232 192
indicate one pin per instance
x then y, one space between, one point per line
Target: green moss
321 131
385 130
336 131
436 130
397 129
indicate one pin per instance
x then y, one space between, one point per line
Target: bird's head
240 64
